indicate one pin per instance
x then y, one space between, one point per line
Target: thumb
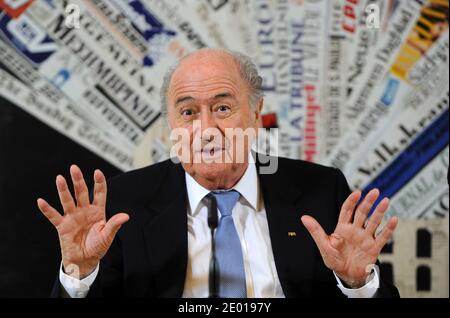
318 234
336 241
114 223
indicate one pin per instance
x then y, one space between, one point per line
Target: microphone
213 266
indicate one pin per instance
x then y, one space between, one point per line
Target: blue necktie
228 248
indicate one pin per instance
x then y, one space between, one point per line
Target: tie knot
226 200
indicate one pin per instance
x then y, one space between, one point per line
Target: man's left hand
354 245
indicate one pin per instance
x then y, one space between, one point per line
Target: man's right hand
84 234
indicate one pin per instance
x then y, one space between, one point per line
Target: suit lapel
165 234
292 246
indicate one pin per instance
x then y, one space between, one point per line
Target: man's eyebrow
183 100
223 95
215 97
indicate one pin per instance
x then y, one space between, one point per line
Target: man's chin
210 170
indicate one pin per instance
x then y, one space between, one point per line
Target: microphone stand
213 266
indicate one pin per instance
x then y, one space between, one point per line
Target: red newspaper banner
14 8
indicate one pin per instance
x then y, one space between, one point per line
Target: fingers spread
386 234
81 190
99 189
377 216
113 225
50 213
364 208
65 197
345 216
318 234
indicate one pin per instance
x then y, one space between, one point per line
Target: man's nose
209 128
207 119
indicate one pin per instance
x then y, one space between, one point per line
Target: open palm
353 247
84 234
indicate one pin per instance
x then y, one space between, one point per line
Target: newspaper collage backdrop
361 85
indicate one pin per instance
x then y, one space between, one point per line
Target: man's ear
166 119
258 110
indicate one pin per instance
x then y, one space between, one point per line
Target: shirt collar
247 186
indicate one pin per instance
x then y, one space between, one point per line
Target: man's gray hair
247 68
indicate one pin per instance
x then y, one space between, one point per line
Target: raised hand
84 234
354 245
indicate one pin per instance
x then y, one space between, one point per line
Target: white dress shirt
249 216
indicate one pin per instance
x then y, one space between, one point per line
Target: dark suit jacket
148 257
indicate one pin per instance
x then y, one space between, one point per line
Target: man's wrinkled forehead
206 68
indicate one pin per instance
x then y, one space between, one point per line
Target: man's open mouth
210 152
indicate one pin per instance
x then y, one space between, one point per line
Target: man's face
208 97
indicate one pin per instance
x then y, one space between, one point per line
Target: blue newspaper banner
28 38
415 157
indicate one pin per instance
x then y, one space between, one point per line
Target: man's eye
187 112
223 108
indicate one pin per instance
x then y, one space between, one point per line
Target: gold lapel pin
292 234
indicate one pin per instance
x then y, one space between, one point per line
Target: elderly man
263 248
